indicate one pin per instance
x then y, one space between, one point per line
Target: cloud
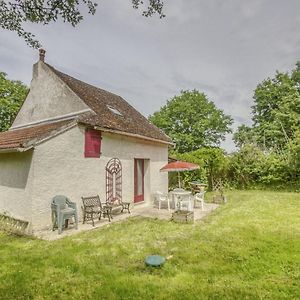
223 48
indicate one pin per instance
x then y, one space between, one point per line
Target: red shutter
92 147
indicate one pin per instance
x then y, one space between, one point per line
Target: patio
140 210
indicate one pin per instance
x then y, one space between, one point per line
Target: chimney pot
42 54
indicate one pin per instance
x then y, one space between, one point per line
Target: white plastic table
180 196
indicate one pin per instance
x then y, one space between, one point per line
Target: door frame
139 198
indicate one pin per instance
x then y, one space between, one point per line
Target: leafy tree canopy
243 136
12 95
213 163
13 14
294 155
192 121
276 112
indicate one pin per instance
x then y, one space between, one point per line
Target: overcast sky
223 48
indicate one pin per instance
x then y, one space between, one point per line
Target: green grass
247 249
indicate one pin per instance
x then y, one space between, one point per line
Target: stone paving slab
141 210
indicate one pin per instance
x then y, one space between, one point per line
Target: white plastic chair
161 197
186 202
199 197
182 198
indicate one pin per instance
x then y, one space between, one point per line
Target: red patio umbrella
179 166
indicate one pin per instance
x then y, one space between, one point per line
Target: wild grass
247 249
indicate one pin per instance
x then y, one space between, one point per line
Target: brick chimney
42 54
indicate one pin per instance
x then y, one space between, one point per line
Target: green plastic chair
63 209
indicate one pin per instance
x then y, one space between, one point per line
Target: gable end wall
48 98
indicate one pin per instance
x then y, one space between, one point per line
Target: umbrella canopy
179 166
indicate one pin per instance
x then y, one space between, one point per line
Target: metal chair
63 209
161 197
92 207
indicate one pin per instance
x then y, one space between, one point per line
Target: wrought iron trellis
114 181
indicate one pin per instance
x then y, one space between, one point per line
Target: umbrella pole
179 183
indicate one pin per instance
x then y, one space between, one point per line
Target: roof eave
14 150
134 135
32 142
37 141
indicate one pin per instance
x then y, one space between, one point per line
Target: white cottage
61 141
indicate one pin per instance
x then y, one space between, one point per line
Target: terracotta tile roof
124 119
20 138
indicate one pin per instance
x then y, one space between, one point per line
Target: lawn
246 249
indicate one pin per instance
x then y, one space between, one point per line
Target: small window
92 147
114 110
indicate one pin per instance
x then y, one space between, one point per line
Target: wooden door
139 186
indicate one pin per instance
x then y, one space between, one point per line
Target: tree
296 75
14 14
276 112
12 95
244 135
269 153
192 121
294 157
213 164
246 166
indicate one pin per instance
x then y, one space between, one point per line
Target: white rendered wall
61 168
48 97
15 184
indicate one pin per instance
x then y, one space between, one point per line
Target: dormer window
114 110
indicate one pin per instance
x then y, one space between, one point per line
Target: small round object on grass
154 260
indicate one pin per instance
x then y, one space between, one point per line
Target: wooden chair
92 207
